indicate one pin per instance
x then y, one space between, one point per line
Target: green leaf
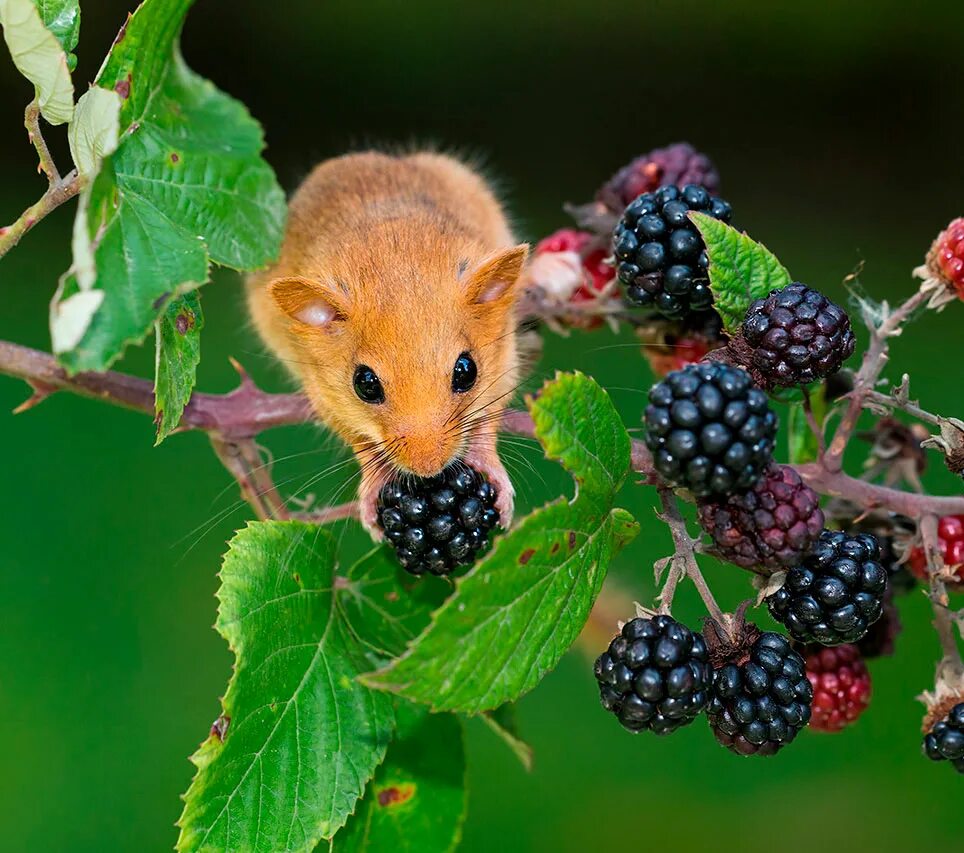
303 736
178 355
803 443
40 57
186 186
62 18
741 269
518 610
95 129
417 799
502 723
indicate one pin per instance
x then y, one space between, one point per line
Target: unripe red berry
841 686
950 539
949 254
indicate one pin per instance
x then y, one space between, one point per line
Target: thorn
247 383
41 391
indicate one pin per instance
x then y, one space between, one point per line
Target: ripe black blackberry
768 527
655 675
440 522
660 256
794 336
710 429
836 593
945 741
761 699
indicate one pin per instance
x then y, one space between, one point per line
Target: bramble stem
912 409
57 193
815 428
31 121
874 361
684 558
943 622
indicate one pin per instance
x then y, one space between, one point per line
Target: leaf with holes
518 610
299 736
186 186
741 269
39 56
417 799
178 355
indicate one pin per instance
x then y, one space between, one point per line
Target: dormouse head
411 362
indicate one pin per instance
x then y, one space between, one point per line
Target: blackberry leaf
518 610
178 355
40 57
741 270
417 800
303 736
186 186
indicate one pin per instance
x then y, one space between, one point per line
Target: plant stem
57 193
943 622
684 558
31 121
912 409
875 358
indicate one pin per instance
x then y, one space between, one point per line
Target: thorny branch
58 191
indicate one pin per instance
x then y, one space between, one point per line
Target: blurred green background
837 129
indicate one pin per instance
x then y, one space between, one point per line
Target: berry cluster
759 704
946 258
767 528
836 593
710 429
841 686
945 741
655 675
660 257
440 522
597 273
796 336
676 165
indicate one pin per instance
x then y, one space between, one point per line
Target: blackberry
655 675
675 165
836 593
710 429
795 336
440 522
758 704
660 256
945 741
841 686
767 528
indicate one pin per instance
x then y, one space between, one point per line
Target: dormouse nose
427 449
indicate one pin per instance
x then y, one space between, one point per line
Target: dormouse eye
368 386
463 374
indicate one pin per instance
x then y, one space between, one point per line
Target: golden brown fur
401 264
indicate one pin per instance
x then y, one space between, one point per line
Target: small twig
943 620
912 409
875 358
57 193
31 121
328 514
684 558
243 459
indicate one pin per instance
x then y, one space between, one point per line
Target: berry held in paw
796 336
761 700
836 593
769 527
438 523
655 675
660 257
945 741
841 686
710 429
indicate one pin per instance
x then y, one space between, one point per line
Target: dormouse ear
495 278
308 301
